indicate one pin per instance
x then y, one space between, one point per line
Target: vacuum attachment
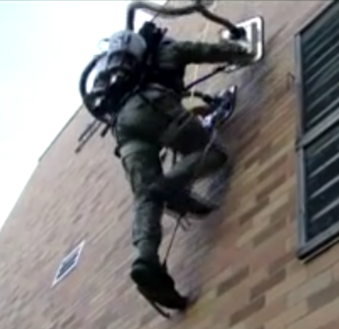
254 28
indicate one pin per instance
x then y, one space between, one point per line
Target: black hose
85 74
166 11
83 85
236 32
152 8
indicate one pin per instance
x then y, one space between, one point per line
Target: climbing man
151 117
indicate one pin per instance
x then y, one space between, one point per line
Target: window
318 136
69 263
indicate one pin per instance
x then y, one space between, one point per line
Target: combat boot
180 201
154 282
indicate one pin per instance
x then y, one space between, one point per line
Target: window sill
309 250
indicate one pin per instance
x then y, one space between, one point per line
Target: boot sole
153 290
143 277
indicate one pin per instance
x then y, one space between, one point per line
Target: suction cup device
254 33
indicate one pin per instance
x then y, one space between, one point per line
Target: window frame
308 249
76 250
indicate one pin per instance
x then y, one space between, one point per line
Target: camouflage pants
141 123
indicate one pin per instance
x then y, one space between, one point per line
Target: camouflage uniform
140 131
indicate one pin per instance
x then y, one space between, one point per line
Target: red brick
332 325
268 233
269 312
278 180
281 262
233 280
247 216
268 283
272 169
323 297
246 250
247 311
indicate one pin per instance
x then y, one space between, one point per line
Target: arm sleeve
186 52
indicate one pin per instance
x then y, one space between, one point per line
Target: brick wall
242 262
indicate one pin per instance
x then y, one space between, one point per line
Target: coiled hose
198 6
83 85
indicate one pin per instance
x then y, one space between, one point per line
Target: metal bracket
254 28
